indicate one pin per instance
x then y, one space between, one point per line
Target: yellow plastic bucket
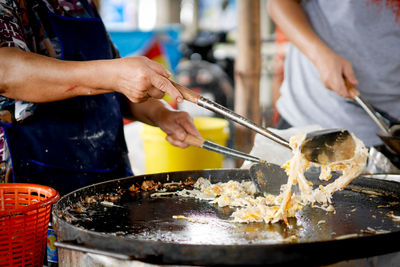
161 156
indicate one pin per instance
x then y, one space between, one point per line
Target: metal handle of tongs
367 107
199 142
201 101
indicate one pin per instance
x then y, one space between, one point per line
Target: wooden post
168 12
247 70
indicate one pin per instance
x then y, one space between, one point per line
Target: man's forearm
292 20
35 78
149 112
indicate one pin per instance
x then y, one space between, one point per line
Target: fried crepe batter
270 208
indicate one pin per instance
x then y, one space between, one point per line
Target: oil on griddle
359 211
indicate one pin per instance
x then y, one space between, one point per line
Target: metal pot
392 140
142 228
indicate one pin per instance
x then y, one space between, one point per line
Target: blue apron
72 143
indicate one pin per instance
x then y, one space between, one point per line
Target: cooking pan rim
356 236
116 180
155 248
384 135
355 182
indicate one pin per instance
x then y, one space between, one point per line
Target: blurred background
198 40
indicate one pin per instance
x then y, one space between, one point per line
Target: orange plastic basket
24 218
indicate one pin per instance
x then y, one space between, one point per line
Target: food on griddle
251 208
395 218
189 182
271 208
78 208
161 189
150 185
297 165
90 199
134 188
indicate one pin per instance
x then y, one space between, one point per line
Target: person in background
334 41
64 91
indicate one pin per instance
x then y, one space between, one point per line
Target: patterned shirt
22 26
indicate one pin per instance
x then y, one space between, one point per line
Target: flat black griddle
143 228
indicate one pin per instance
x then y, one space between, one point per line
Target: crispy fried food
150 185
271 208
297 165
134 188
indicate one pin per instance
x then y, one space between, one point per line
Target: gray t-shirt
367 33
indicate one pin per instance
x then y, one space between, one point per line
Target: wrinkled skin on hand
176 124
140 78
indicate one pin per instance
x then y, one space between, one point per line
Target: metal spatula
268 178
328 145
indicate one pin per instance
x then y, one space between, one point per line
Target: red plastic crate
24 218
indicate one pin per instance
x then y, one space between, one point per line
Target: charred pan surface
143 228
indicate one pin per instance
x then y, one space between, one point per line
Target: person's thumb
349 75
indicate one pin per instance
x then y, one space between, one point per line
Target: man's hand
140 78
333 70
177 124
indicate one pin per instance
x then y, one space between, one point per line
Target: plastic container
161 156
24 218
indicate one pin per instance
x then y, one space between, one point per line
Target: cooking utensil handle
227 113
371 112
194 141
200 142
367 107
230 152
187 94
72 246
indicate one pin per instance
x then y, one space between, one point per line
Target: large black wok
142 228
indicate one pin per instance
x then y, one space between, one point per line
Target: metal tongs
322 147
389 132
201 143
367 107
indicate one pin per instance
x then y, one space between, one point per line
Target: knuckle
186 115
326 82
134 100
142 58
141 75
162 85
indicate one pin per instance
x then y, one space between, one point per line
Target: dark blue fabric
91 29
76 142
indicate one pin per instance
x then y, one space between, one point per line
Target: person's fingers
173 141
137 100
137 97
177 124
155 93
335 81
348 74
179 132
166 86
349 80
341 88
157 67
188 125
133 89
